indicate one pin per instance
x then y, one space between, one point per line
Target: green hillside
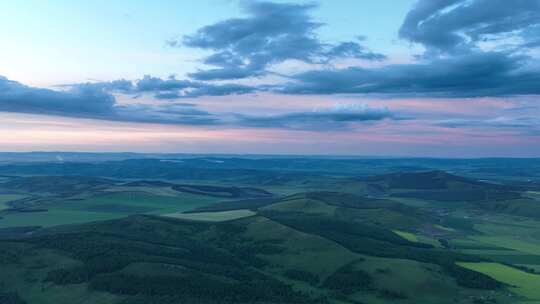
96 240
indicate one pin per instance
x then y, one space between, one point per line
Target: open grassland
429 240
523 246
522 235
504 239
314 259
381 216
52 218
219 216
160 191
303 204
5 198
533 194
522 283
516 259
413 202
415 282
155 203
407 235
465 243
304 251
506 225
445 228
103 206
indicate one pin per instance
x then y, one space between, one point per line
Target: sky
424 78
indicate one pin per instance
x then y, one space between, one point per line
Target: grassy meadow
520 282
104 205
407 235
5 198
219 216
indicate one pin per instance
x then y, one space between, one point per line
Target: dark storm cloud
271 33
449 25
470 75
321 120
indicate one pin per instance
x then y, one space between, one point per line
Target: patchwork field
87 207
520 282
407 235
517 243
219 216
52 218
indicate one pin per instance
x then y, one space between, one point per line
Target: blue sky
456 78
51 42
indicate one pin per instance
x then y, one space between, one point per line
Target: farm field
520 282
517 244
52 218
218 216
407 235
112 203
140 202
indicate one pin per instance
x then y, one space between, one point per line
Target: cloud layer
270 33
80 100
343 117
470 48
93 101
470 75
459 25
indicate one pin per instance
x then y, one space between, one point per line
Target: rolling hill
294 237
259 259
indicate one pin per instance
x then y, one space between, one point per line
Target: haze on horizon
443 78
